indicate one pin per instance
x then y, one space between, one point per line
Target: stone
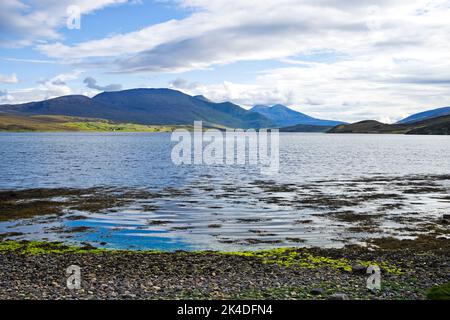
359 269
317 291
338 296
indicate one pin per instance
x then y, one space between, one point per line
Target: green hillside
433 126
52 123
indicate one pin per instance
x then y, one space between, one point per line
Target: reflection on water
331 189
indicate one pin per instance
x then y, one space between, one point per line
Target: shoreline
37 270
409 267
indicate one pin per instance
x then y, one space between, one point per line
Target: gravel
181 275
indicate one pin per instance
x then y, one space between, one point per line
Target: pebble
359 269
338 296
317 291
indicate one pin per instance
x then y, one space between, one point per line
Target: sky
345 60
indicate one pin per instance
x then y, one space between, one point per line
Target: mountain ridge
145 106
283 116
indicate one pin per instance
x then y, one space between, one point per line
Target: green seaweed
37 247
287 257
300 257
26 247
441 292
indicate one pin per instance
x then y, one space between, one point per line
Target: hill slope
283 116
165 106
67 105
368 126
435 126
426 115
439 125
145 106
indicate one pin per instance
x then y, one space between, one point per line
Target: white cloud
46 88
220 32
5 97
91 83
25 22
12 78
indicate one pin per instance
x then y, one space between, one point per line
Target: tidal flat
254 215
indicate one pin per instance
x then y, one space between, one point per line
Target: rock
317 291
446 218
87 246
359 269
338 296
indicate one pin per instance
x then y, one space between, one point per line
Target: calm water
227 207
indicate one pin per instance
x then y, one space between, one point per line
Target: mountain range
167 107
145 106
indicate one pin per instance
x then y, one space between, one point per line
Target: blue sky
349 60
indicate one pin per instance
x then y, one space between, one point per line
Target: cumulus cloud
220 32
24 22
92 84
183 84
46 89
12 78
5 97
58 82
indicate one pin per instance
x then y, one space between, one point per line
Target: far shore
59 123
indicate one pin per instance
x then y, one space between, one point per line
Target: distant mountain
306 128
433 126
426 115
283 116
145 106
